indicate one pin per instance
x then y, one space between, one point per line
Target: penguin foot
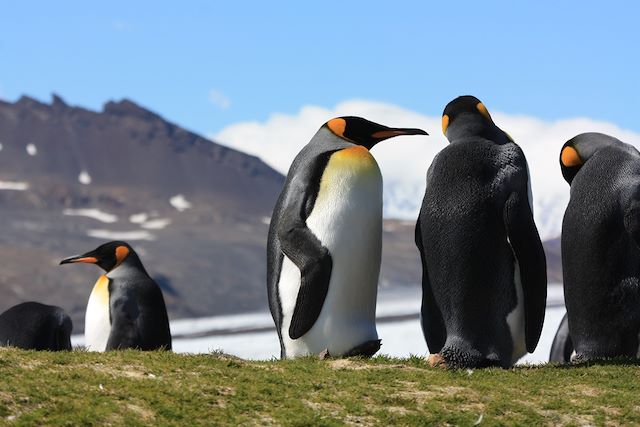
437 361
366 349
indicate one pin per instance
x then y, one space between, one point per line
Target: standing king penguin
600 252
126 308
484 270
325 242
36 326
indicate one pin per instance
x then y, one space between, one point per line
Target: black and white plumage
484 270
126 308
600 246
324 245
36 326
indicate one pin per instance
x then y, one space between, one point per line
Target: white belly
97 325
347 219
515 319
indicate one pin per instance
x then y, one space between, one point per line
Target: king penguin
36 326
600 252
325 241
484 269
126 308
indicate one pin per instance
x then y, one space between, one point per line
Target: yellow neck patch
570 157
101 290
445 124
337 126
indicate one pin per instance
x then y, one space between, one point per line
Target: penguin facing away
325 240
36 326
600 246
562 347
484 270
126 308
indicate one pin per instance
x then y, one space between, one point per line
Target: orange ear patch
570 157
445 124
337 126
121 254
483 110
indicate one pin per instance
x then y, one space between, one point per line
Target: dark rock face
125 161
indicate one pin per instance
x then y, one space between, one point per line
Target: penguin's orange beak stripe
88 259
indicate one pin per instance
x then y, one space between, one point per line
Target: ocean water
250 335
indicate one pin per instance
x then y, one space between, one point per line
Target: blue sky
550 60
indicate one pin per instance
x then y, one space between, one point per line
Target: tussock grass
162 388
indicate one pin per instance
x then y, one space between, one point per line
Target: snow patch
156 224
32 150
266 220
84 178
92 213
14 185
139 218
179 202
121 235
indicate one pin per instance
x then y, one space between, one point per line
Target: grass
162 388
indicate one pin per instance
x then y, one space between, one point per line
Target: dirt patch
144 413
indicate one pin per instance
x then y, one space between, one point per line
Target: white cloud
404 160
219 99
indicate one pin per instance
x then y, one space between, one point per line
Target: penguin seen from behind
484 282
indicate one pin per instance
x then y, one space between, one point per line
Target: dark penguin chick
126 308
36 326
600 252
324 244
562 347
484 271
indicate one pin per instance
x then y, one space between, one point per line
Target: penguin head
579 149
107 256
467 115
364 132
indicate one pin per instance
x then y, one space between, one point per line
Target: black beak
79 258
381 135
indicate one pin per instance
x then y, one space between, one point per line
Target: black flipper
433 327
562 346
631 208
302 247
527 248
124 331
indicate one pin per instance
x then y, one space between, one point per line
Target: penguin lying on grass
484 283
600 246
126 308
36 326
325 240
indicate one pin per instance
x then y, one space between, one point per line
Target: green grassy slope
157 388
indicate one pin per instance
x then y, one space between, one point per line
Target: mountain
71 178
196 211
